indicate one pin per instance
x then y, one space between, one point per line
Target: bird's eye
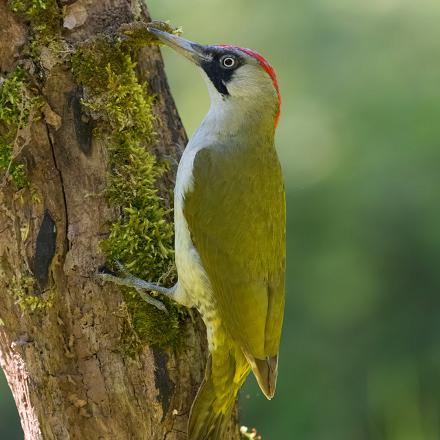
228 62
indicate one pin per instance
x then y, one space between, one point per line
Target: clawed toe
138 284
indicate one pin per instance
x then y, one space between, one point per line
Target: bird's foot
138 284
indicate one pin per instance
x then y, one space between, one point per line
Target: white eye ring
228 62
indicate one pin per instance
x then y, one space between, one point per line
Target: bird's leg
140 285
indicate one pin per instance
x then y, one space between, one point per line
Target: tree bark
61 333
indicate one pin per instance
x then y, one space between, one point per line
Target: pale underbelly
194 288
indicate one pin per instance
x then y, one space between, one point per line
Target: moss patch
142 238
44 16
17 105
45 19
137 34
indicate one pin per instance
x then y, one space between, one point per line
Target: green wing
236 216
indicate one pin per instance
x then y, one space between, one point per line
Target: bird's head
233 74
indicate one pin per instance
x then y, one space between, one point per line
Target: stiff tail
266 372
213 405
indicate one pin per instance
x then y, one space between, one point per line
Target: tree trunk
74 350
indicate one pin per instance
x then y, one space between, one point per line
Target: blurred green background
359 140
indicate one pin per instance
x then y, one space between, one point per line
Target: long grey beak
190 50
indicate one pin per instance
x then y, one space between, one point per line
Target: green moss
16 106
92 61
44 16
12 93
142 238
23 290
137 34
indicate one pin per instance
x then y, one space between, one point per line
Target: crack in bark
63 191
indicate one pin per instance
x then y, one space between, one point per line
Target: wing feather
235 212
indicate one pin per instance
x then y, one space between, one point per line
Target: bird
229 216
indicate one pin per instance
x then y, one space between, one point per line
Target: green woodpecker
230 229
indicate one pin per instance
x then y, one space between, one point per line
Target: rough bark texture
64 363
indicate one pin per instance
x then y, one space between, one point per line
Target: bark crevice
63 192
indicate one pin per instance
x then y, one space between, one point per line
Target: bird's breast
194 286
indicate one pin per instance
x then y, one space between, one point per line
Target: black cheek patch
218 76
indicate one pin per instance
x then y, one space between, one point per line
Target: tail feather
212 408
266 372
209 426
